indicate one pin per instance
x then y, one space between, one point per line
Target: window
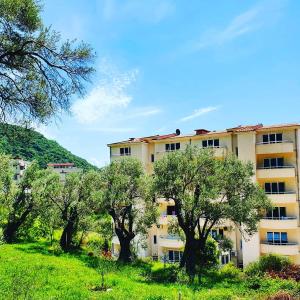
172 147
272 138
274 188
270 163
171 210
225 259
221 232
126 151
211 143
277 237
175 256
236 151
277 213
152 158
154 239
214 233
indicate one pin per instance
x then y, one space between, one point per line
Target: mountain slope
31 145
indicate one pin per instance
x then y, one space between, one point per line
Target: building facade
19 167
63 169
274 153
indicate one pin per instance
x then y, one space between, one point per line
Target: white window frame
272 142
213 143
124 151
170 146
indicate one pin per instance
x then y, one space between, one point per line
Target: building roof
60 164
205 132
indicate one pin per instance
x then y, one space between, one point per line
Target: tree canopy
39 72
206 191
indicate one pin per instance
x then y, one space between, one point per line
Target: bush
163 274
229 272
267 263
273 262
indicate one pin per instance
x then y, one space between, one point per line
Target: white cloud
249 21
199 112
109 95
151 11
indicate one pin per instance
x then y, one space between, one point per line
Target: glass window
154 239
279 137
177 146
270 237
167 147
273 162
210 143
172 147
121 151
272 138
274 187
266 163
176 256
276 212
265 138
269 213
268 187
152 157
216 143
276 237
282 212
284 238
281 187
214 233
221 232
280 161
171 255
204 144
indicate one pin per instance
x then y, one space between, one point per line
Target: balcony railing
280 243
279 218
274 142
280 193
275 167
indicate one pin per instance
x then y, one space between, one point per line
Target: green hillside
31 145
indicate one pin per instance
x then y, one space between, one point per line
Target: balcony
285 197
170 241
288 248
277 172
279 223
279 147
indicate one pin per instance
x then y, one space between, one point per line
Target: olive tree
125 197
207 191
39 72
73 199
17 199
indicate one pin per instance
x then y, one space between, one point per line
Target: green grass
31 271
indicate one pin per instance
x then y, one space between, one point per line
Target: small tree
18 198
74 199
124 197
39 72
207 191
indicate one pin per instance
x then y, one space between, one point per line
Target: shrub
273 262
229 272
163 274
281 296
267 263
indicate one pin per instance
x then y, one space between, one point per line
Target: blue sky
167 64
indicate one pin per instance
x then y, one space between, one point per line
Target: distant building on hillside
63 169
19 166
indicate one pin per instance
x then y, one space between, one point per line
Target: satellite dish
177 131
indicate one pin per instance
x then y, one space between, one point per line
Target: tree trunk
190 256
11 228
70 229
125 255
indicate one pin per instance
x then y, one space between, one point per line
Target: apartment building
274 152
19 166
63 169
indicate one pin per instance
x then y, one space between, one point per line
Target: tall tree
207 191
74 200
39 72
124 190
17 198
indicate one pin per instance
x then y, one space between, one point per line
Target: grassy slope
30 271
31 145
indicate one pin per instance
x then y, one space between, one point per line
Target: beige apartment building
274 152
